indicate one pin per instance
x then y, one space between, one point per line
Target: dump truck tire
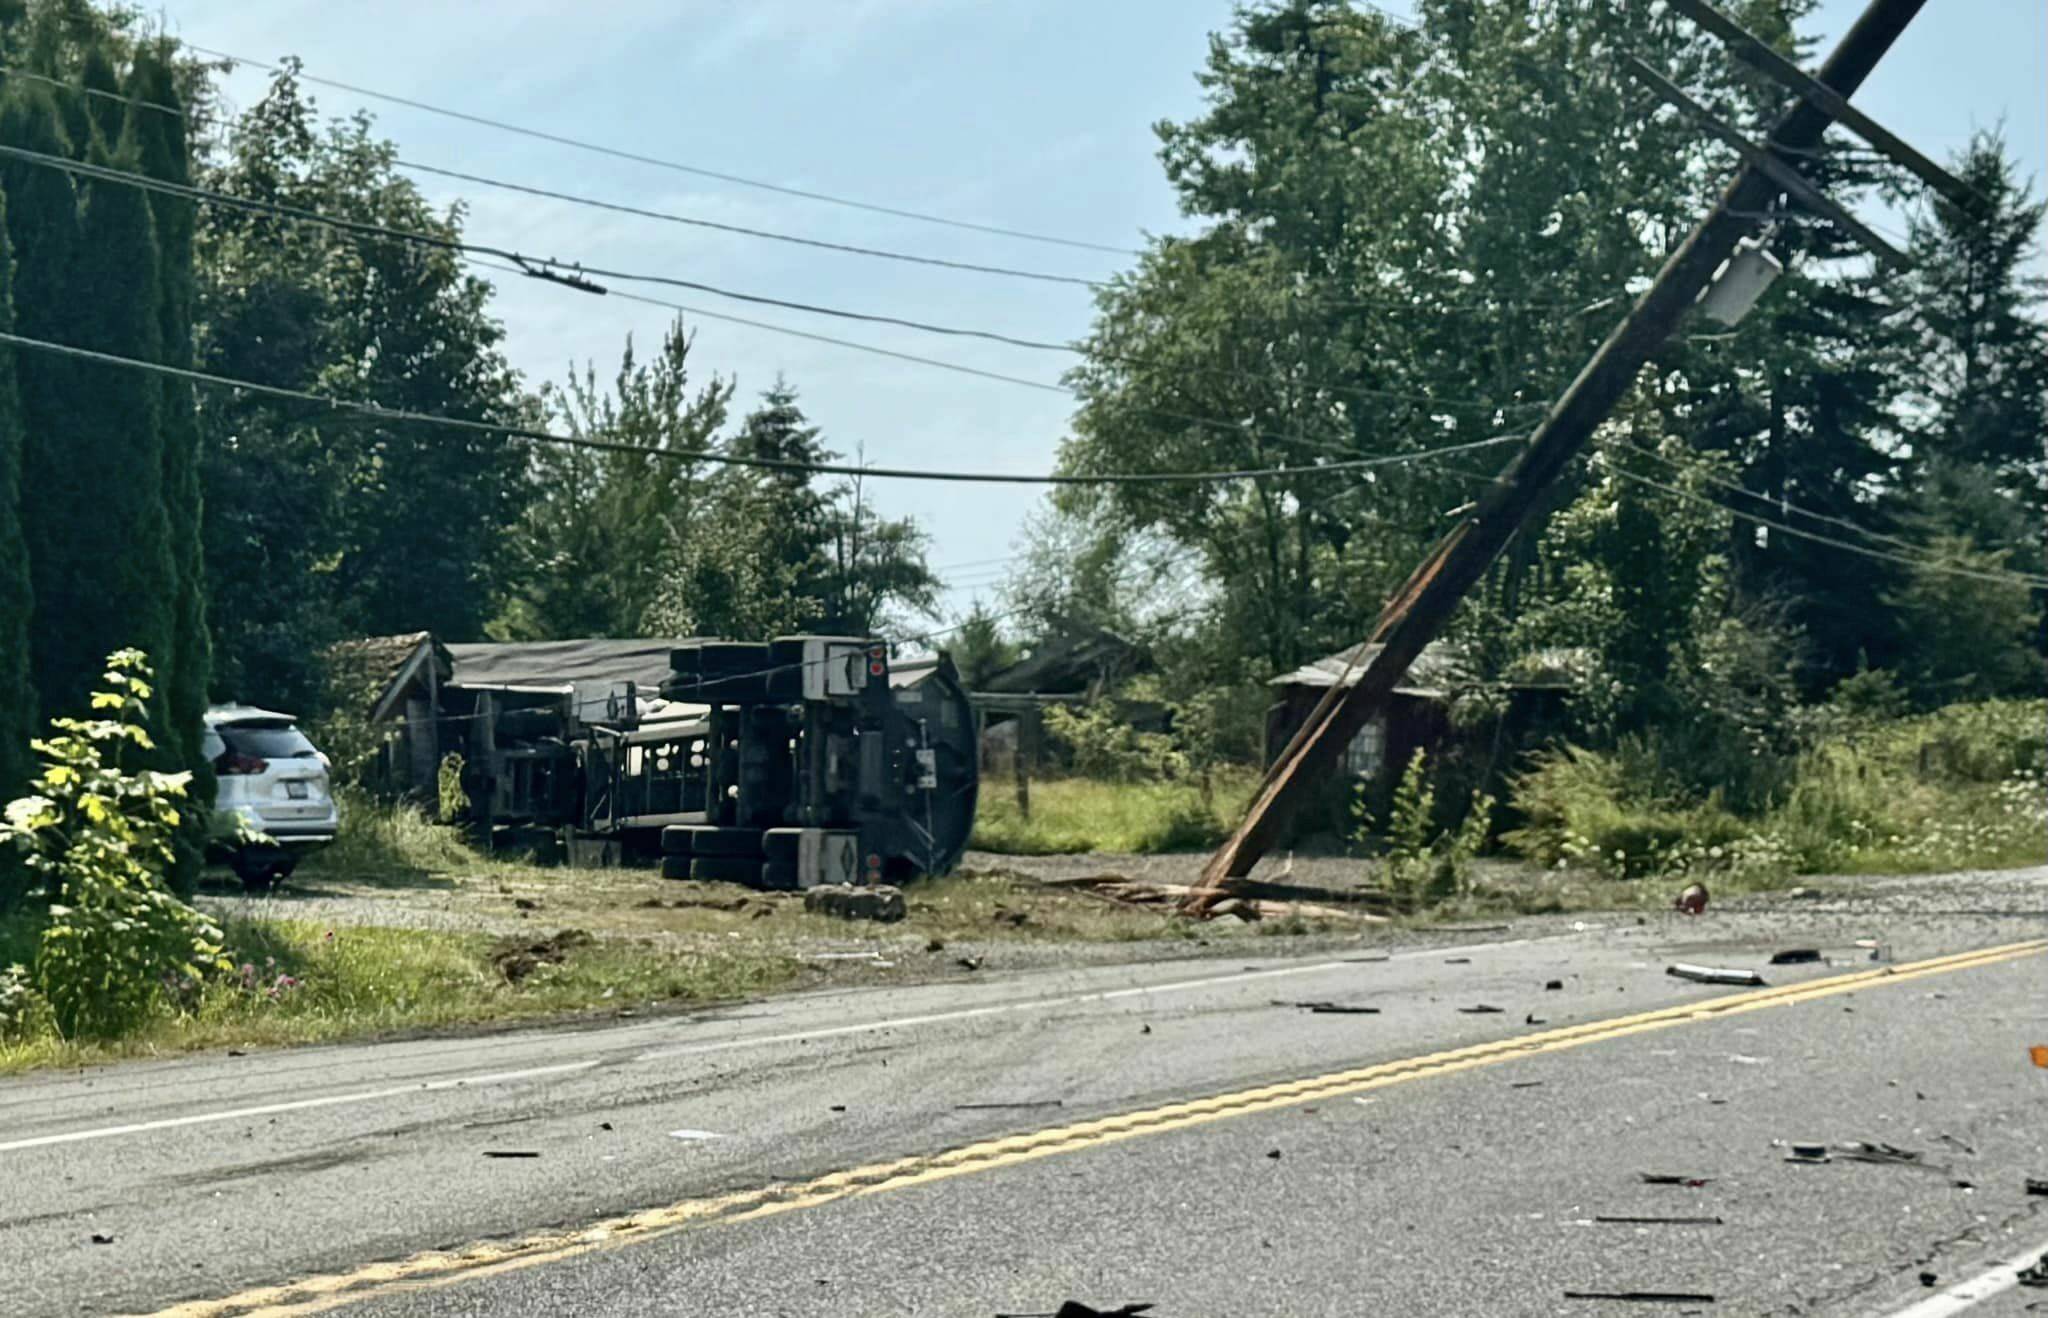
675 867
675 840
779 845
742 842
779 876
726 869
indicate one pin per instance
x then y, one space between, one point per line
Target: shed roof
1442 668
1435 671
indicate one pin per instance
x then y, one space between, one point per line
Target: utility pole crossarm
1781 173
1419 611
1760 54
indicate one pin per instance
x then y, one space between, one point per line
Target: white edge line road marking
1997 1280
721 1045
295 1105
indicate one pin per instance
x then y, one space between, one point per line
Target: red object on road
1693 900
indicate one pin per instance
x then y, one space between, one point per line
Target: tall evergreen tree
17 694
42 225
1982 362
164 154
117 559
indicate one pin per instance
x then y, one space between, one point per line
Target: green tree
115 587
1981 366
321 526
769 551
165 154
17 692
604 529
42 226
979 648
1967 638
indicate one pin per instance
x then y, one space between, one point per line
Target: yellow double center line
443 1267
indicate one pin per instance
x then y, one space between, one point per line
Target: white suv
272 782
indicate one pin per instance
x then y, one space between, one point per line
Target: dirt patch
515 960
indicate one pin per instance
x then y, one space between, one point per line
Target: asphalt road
1159 1132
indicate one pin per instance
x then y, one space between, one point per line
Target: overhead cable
538 436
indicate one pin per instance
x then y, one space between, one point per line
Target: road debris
1329 1008
1623 1220
1552 985
993 1107
2037 1186
1928 1278
1076 1309
1482 1009
102 1238
1859 1151
844 956
1533 1019
2037 1275
1714 975
1669 1178
1457 960
516 958
1273 1154
882 903
1524 1084
968 962
1647 1297
1463 928
1693 899
1240 899
1806 1153
511 1153
687 1134
2039 1052
1795 956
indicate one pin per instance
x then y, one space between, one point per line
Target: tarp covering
586 665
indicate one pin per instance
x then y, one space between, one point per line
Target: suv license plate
295 790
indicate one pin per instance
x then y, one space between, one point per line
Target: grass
1083 814
299 982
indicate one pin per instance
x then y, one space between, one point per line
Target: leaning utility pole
1423 605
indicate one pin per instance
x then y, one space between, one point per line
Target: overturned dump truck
780 764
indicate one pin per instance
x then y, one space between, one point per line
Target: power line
678 166
1783 505
1923 563
769 234
535 435
577 275
1483 306
1228 427
771 327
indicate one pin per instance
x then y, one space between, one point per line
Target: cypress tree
186 670
17 695
119 548
57 502
100 103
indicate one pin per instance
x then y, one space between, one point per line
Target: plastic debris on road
1714 975
1795 956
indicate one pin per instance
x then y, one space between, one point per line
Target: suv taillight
239 763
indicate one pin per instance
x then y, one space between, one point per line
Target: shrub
1426 864
451 800
1104 746
99 840
1581 807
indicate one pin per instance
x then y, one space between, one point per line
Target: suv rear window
266 741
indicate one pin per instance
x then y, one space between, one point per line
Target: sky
1032 115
